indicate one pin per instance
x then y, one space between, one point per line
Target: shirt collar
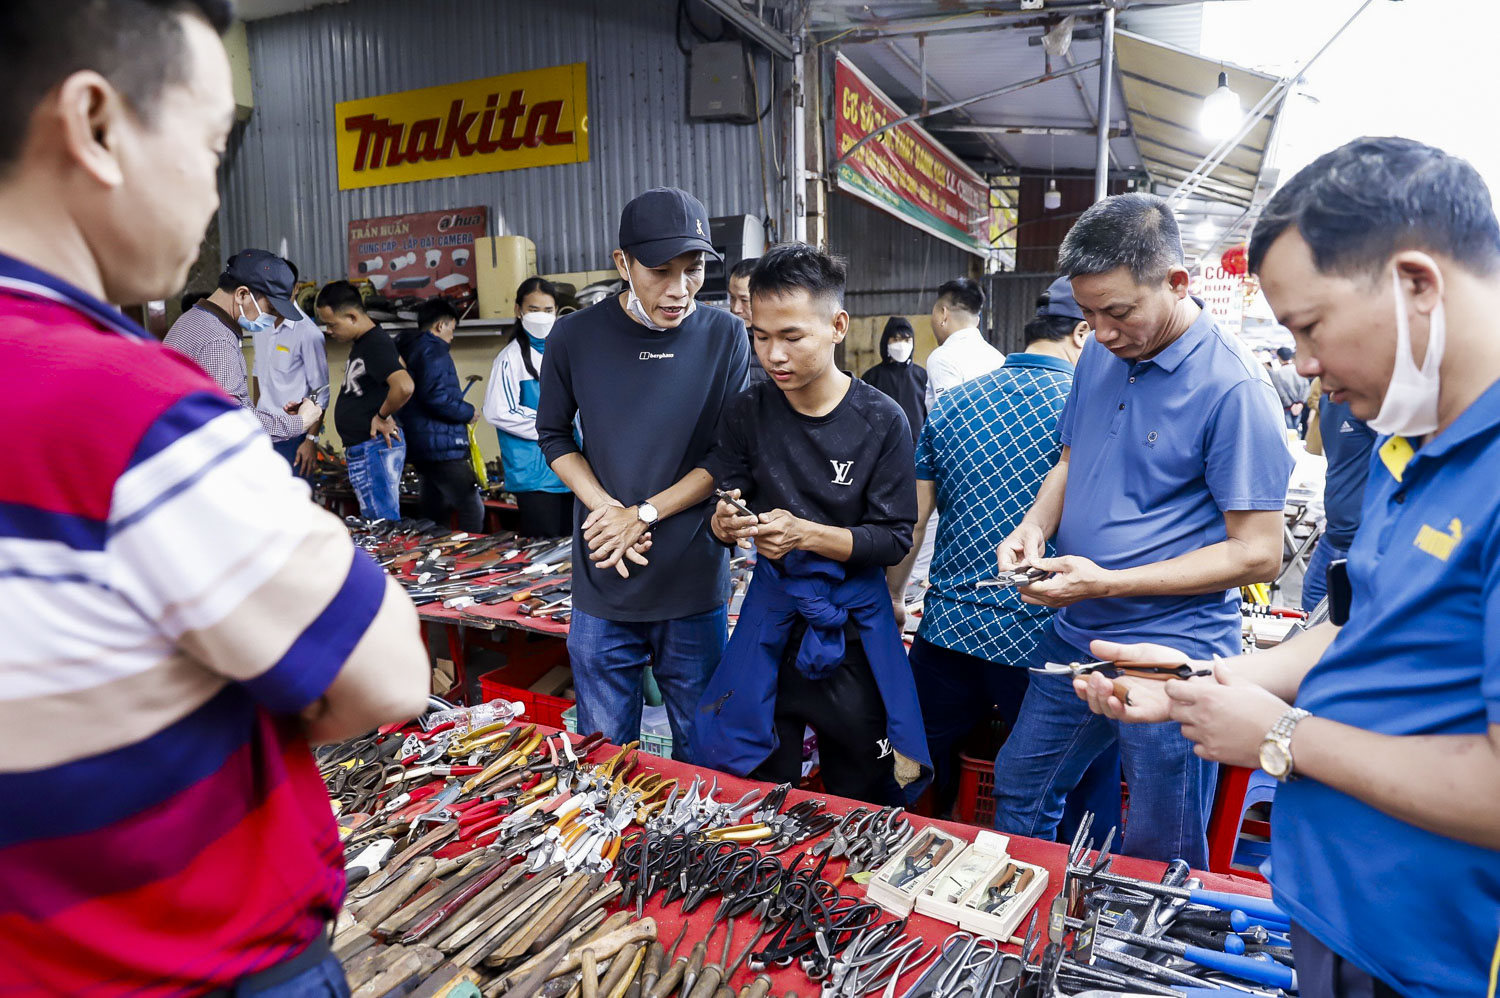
1038 360
1176 352
24 279
222 316
1482 417
967 332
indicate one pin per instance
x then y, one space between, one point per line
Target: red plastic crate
540 708
976 791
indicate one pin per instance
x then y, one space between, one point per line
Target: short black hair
433 310
340 296
962 293
1135 231
1372 198
790 267
743 269
137 45
1050 327
534 284
191 298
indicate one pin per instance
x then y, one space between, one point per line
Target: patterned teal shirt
987 445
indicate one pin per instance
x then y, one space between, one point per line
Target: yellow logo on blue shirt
1438 544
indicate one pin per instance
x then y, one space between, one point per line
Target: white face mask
634 307
900 350
1410 407
538 324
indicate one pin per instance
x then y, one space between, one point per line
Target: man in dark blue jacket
436 420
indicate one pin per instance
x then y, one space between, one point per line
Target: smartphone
743 509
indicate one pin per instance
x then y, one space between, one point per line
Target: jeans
1055 740
609 657
323 980
288 451
375 475
1315 579
448 486
1322 973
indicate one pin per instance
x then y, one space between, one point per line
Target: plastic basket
976 791
651 744
540 708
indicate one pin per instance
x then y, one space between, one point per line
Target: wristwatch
1276 750
646 513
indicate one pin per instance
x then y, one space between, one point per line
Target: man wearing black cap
254 294
647 374
981 457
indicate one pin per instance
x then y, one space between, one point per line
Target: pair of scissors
1018 577
1115 670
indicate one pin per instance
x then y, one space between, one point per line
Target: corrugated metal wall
281 177
893 267
1011 304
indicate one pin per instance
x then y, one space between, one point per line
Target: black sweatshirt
852 468
648 406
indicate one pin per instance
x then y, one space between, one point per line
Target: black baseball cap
1285 353
1060 301
267 274
663 223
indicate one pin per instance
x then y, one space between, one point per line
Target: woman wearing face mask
510 404
898 375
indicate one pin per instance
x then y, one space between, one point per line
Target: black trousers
846 712
1322 973
449 486
545 514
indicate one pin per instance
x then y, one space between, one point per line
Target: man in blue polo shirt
980 460
1166 498
1383 259
1346 442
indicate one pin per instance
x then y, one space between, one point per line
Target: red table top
1051 855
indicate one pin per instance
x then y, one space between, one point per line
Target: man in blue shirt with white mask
1383 259
1168 496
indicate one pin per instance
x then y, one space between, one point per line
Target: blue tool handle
1246 968
1261 908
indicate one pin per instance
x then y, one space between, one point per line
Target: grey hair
1136 231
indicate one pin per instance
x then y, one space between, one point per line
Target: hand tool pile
1138 937
460 571
487 858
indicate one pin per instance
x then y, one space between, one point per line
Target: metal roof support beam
1276 94
993 144
954 106
753 28
1137 113
981 20
1115 132
1106 91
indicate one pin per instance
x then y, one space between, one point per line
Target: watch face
1274 759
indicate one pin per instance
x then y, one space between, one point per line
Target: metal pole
1106 92
799 137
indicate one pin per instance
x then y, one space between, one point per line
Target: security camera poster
408 258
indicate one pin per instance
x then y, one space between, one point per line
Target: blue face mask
259 324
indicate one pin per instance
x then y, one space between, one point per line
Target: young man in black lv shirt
826 462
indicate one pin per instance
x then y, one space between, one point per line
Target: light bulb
1052 200
1221 112
1204 231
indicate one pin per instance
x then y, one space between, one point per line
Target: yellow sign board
536 118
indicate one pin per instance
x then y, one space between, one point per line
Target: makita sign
536 118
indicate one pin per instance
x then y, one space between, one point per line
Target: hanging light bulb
1221 112
1052 200
1204 231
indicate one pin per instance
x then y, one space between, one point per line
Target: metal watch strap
1282 730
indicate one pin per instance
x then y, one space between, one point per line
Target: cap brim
286 308
659 251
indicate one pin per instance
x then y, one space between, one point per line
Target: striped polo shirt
169 602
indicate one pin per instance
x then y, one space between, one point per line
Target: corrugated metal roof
281 177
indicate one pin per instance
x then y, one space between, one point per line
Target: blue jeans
375 475
1315 579
609 657
325 980
288 451
1055 740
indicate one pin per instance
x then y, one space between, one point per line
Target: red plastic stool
1230 805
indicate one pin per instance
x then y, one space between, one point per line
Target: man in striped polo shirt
178 620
